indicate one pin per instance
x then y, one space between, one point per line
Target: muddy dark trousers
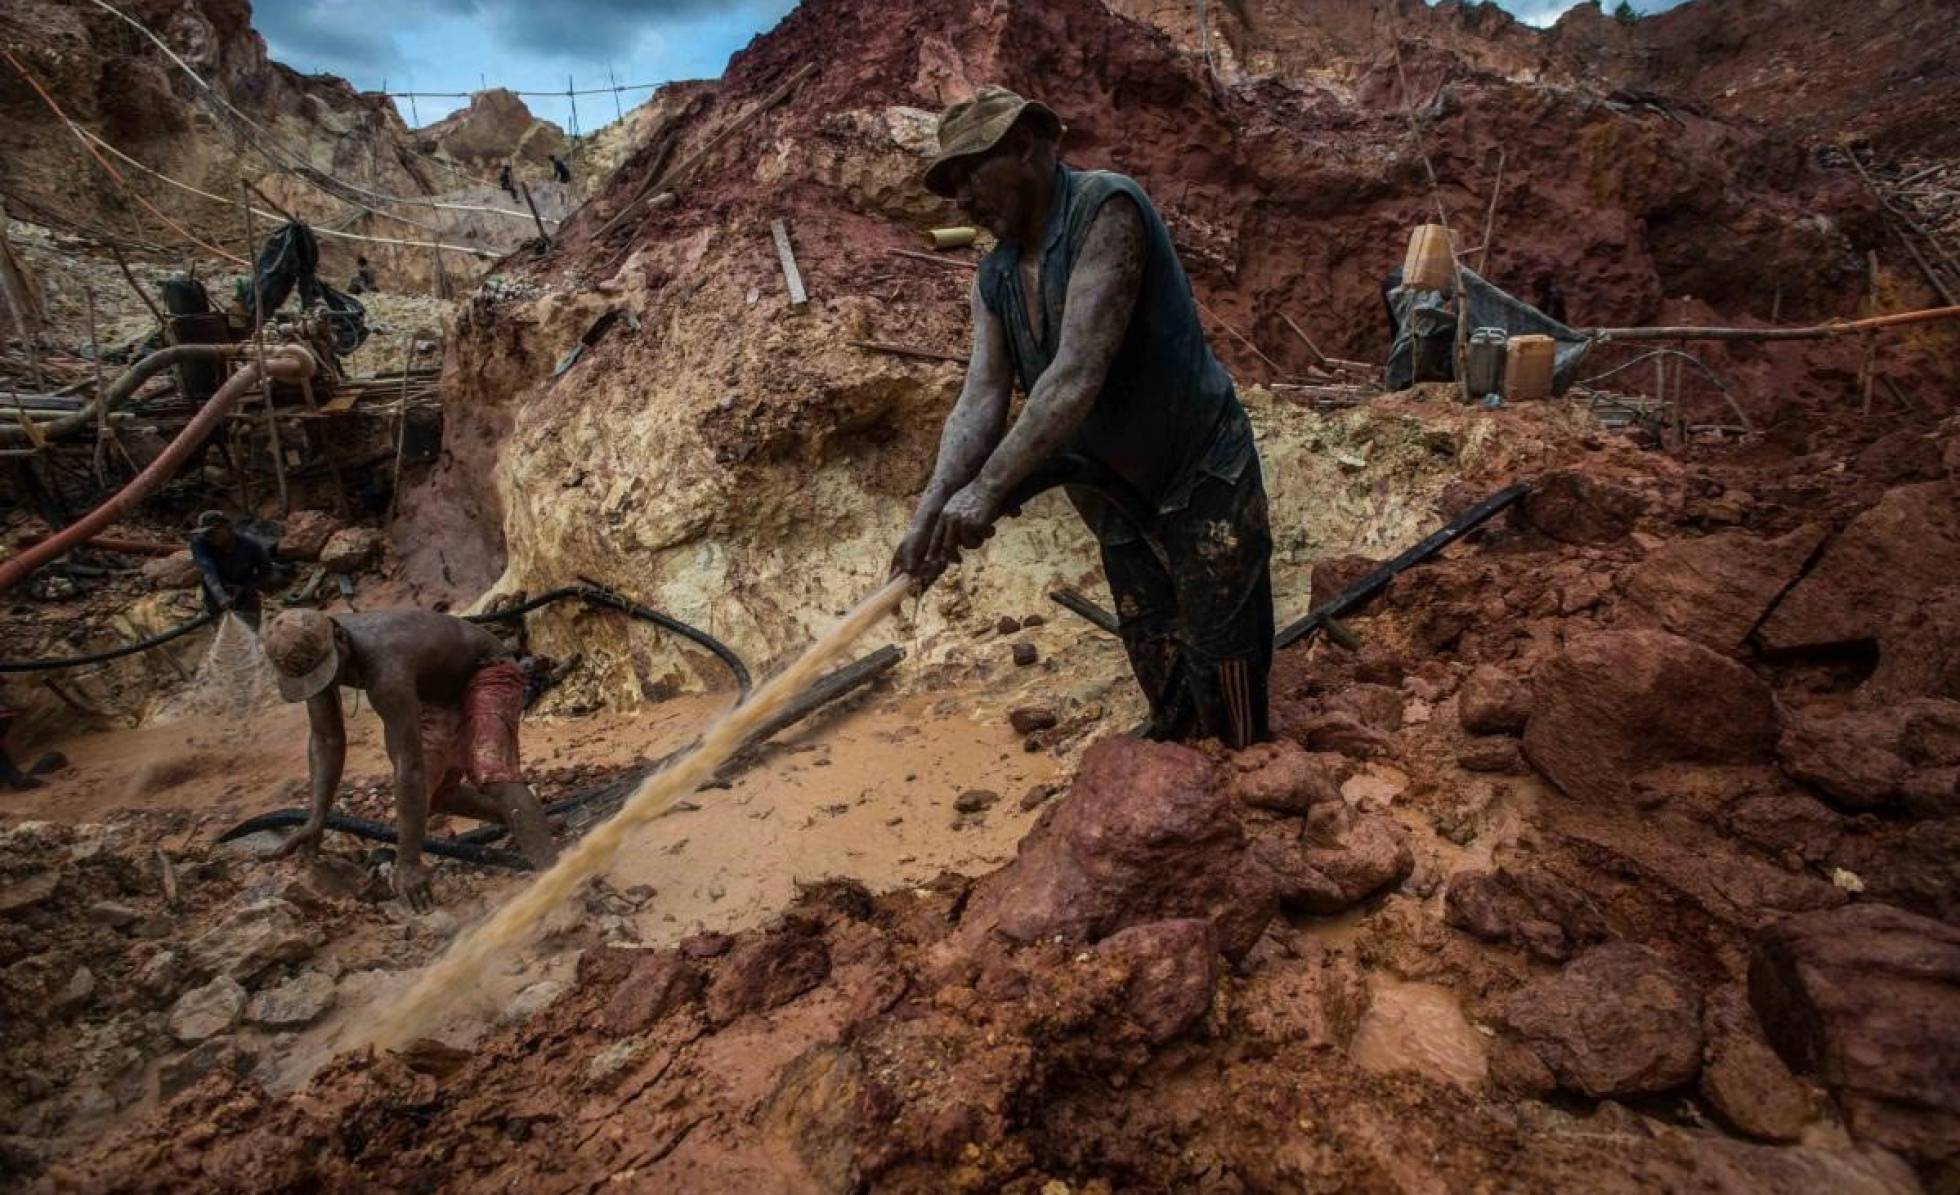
1194 604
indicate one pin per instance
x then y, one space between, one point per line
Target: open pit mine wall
739 464
117 84
1881 73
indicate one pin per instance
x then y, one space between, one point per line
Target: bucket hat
970 128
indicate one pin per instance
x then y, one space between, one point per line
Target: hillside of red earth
1610 848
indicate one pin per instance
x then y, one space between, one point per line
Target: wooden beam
906 350
791 275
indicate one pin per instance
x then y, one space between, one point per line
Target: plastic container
1430 264
1528 367
1483 363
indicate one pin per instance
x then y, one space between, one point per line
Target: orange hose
287 362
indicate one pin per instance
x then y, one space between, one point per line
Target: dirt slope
699 457
115 83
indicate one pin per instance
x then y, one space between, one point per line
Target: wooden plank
797 295
906 350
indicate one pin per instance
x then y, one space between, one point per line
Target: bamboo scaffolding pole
1816 332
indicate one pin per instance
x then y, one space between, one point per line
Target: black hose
114 653
362 827
599 595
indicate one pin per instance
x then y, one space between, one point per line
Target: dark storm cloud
345 37
584 28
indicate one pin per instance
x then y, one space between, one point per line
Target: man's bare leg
520 810
463 800
510 805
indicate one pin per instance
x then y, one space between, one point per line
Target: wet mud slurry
461 968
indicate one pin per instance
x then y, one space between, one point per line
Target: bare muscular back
432 654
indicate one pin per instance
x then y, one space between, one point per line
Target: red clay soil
1647 793
1665 932
1286 198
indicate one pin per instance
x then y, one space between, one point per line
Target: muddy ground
1527 888
1618 855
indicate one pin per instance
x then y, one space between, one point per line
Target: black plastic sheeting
1425 339
290 261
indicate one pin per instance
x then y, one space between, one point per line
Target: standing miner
1084 304
450 699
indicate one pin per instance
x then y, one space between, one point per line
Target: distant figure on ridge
1551 298
503 180
232 566
363 280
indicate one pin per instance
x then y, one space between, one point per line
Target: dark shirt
1167 414
245 565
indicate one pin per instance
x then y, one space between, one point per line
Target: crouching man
450 699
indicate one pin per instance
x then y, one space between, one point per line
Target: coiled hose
599 595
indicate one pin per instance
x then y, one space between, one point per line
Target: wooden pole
572 96
265 375
1306 340
442 275
1871 339
1817 332
537 219
1239 336
137 287
401 430
101 406
906 350
1660 392
618 111
1490 214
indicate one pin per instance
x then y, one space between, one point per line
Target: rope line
113 172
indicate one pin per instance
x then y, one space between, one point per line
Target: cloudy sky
462 45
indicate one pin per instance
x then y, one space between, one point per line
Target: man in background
233 567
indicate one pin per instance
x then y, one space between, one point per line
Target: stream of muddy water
464 964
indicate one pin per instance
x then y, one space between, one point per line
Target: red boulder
1885 563
1615 703
1143 835
1866 998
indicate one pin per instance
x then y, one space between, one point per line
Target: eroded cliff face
1881 71
741 464
313 144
